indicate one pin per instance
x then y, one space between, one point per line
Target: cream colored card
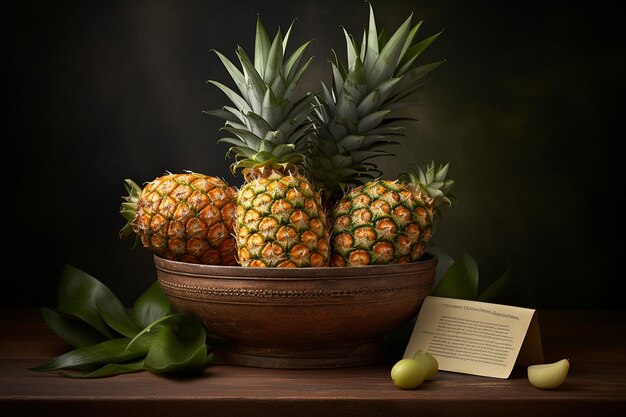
476 338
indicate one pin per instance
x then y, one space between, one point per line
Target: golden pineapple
183 217
383 222
280 221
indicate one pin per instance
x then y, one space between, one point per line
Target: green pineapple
280 219
383 222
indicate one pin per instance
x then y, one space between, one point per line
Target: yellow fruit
428 362
280 222
387 222
407 374
549 375
183 217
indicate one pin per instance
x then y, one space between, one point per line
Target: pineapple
383 222
280 219
356 116
183 217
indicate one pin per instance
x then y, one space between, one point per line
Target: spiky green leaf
411 55
386 62
235 74
350 49
371 121
372 42
261 47
275 59
237 100
254 84
271 110
291 66
355 83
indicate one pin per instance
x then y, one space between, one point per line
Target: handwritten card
476 338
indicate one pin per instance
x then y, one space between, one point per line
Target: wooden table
594 341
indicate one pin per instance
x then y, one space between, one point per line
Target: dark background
526 109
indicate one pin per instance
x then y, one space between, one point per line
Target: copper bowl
299 318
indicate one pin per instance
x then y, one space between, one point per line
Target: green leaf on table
156 338
115 315
110 351
78 295
75 332
151 305
498 289
110 369
179 345
460 280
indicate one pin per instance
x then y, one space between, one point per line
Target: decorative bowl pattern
299 318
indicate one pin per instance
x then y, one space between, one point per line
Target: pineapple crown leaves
269 124
432 181
356 115
128 210
378 75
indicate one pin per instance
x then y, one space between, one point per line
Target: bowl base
338 355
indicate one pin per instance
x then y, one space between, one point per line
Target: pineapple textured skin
188 217
381 222
280 222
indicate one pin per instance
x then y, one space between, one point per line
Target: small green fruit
549 375
408 374
428 362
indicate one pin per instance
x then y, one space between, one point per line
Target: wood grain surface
594 341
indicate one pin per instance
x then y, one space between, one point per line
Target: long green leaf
355 82
372 42
271 110
237 100
275 59
415 76
350 49
151 305
286 38
179 344
386 62
363 48
110 369
261 47
115 315
222 114
75 332
460 280
110 351
292 87
411 55
371 121
235 74
388 89
409 42
293 61
78 295
251 140
254 84
498 289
